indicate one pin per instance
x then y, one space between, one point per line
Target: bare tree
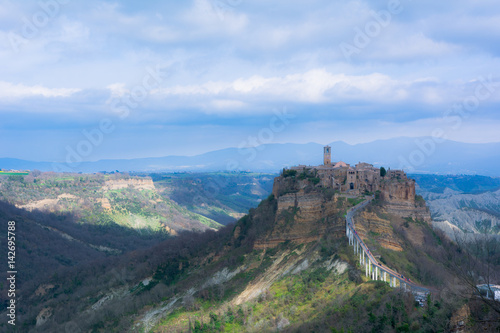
474 262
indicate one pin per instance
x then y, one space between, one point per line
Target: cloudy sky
124 79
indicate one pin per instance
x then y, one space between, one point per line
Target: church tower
327 155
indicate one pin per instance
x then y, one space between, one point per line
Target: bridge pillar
363 256
366 269
390 281
385 280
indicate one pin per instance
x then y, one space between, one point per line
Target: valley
126 263
210 166
464 204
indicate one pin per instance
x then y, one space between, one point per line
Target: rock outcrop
43 316
307 210
137 183
304 213
399 198
380 228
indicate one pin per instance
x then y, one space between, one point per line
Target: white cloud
313 86
406 45
117 89
16 91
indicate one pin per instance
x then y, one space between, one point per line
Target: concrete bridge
373 268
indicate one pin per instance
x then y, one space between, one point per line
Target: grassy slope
317 299
220 196
314 299
142 210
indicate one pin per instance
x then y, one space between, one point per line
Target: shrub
289 173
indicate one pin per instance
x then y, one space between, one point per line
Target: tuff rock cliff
306 211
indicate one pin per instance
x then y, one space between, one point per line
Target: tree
35 173
474 261
383 172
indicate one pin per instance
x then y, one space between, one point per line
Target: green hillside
88 196
220 196
221 281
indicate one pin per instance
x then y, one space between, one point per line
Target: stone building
361 178
327 156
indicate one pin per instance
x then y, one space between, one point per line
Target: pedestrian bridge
373 268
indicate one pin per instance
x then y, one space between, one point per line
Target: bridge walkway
373 268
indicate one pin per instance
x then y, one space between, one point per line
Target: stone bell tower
327 155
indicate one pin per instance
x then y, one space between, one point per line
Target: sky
127 79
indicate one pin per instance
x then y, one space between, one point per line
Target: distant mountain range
415 155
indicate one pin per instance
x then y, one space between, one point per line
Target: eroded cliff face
396 205
137 183
379 227
397 191
305 212
399 198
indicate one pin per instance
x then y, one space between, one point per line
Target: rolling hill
417 155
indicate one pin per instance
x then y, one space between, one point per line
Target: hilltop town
312 200
391 186
360 179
